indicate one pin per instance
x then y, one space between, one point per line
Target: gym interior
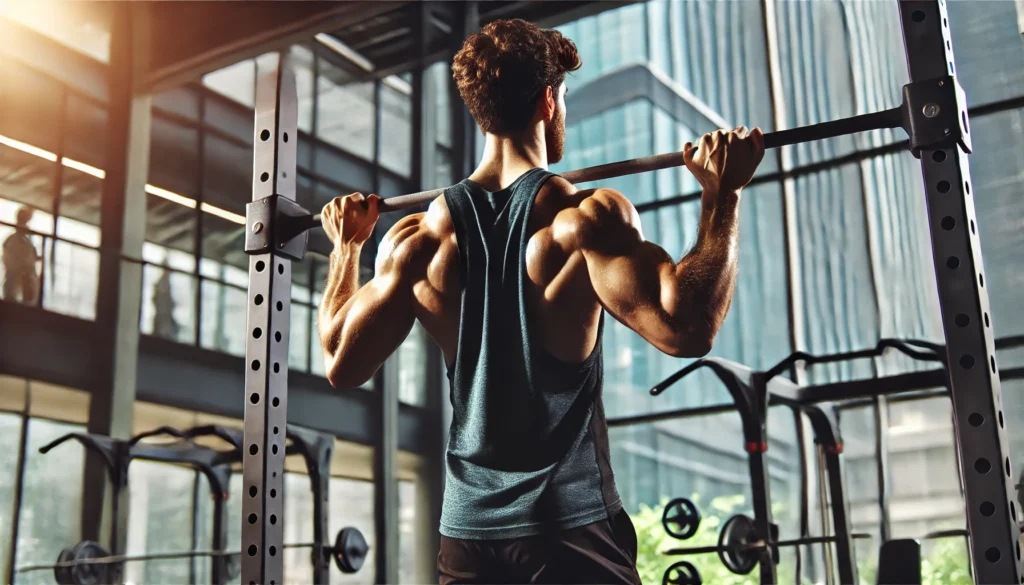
858 419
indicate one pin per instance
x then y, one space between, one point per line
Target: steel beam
963 298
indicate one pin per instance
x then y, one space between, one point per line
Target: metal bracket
935 115
276 225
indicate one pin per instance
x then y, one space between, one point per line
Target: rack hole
1012 509
277 367
258 300
254 398
987 509
277 336
1000 419
1018 547
255 364
265 135
992 362
972 227
275 430
981 280
264 177
286 137
953 262
253 449
252 518
950 67
967 186
963 116
273 449
948 46
260 265
976 419
943 186
939 155
916 16
967 362
280 268
273 493
982 466
948 223
252 491
986 320
945 23
273 551
280 306
273 519
992 555
257 333
962 320
276 401
273 474
253 550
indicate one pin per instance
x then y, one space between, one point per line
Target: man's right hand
723 161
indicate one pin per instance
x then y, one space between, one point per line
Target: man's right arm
676 306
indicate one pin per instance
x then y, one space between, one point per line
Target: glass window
174 171
298 527
440 75
224 305
302 65
407 532
989 54
10 435
346 116
396 126
159 521
84 29
352 504
168 294
857 427
237 82
51 504
71 274
412 364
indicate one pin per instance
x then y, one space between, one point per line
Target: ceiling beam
190 39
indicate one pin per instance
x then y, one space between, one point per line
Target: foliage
947 563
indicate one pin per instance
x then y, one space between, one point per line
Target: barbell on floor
87 562
739 545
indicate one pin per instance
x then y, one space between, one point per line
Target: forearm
342 284
706 276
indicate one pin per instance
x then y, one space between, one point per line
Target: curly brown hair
502 70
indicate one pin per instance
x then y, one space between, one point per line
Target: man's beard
554 136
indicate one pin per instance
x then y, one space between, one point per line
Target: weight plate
87 574
681 518
736 534
63 574
682 573
350 550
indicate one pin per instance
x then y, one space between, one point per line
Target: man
21 278
511 272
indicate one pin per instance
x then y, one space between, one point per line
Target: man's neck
506 158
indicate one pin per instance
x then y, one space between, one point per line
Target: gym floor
835 255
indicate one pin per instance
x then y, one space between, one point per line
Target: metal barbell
738 545
87 562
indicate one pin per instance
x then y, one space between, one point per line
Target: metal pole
956 249
266 350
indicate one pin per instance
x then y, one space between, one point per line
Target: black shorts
600 553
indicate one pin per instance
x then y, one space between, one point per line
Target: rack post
956 249
267 323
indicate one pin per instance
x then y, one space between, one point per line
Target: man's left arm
360 327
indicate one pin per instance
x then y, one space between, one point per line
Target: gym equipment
739 544
933 113
903 116
88 563
681 518
682 573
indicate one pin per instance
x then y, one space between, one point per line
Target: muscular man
511 272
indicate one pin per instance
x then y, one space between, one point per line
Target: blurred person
21 277
164 324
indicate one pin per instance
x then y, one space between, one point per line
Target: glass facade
857 268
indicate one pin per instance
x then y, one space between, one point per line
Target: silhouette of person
164 324
21 279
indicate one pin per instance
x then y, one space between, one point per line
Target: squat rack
275 235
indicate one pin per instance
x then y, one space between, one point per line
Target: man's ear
547 104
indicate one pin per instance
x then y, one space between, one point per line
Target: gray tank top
528 444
